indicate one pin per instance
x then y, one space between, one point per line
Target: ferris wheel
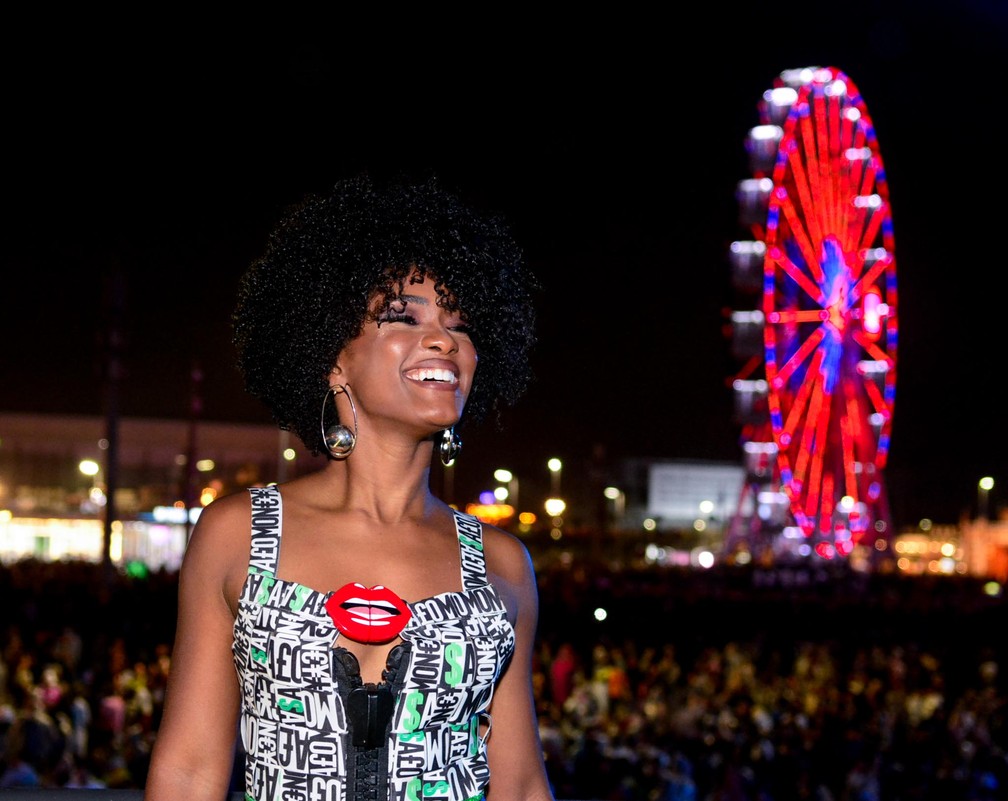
816 390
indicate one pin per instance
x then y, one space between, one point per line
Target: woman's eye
396 317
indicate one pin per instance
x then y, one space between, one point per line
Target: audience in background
745 684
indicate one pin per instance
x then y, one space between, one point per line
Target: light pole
555 466
97 493
618 497
984 486
555 508
506 477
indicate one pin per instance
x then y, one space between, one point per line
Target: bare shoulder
224 519
507 557
218 548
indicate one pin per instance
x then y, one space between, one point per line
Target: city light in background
984 486
657 524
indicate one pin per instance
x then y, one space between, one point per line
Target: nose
437 337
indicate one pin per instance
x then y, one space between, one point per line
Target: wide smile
435 375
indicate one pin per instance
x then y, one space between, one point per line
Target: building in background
55 482
55 496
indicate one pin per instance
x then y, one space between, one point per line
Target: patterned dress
313 731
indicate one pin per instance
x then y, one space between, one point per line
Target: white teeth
432 374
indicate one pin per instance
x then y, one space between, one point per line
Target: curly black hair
331 255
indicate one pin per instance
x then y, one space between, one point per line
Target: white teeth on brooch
432 374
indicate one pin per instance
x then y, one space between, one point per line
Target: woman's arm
517 769
193 752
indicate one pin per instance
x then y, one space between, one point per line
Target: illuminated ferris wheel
815 392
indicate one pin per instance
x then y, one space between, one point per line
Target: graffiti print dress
313 731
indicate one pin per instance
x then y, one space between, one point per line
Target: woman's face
414 363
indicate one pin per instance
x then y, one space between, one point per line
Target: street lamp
96 493
984 486
618 497
506 477
555 508
555 466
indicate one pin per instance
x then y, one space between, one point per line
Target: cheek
469 365
472 355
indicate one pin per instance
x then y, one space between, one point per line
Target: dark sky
612 145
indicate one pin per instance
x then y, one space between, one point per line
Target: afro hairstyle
332 255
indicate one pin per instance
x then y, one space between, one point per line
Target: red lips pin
368 614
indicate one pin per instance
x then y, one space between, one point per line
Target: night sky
613 146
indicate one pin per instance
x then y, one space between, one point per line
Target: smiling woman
335 262
357 632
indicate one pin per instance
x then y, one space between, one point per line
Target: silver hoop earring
338 438
451 444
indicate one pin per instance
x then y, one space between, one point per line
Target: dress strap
470 537
267 516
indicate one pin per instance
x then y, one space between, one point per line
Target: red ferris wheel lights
800 355
849 435
870 277
875 396
808 462
775 256
871 348
814 439
799 234
828 302
871 171
825 504
830 141
797 414
804 191
820 157
870 219
872 313
825 550
790 318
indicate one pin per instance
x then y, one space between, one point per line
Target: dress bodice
420 733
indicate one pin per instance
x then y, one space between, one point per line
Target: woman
364 631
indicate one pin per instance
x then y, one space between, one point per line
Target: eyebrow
412 299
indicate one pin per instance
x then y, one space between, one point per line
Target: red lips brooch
368 614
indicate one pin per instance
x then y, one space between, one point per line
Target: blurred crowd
652 683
